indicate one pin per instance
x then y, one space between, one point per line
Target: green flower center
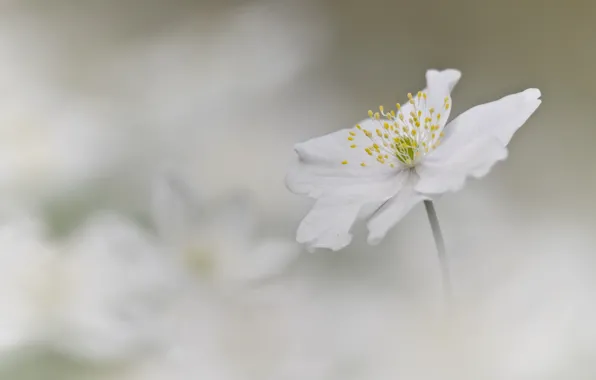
405 149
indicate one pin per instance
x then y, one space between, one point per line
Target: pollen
344 162
404 135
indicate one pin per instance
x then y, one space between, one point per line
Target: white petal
320 171
475 141
500 118
439 86
448 77
342 190
394 209
328 224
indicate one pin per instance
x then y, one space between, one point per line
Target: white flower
27 263
391 161
115 285
51 147
218 245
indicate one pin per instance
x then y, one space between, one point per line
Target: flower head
217 245
394 159
113 289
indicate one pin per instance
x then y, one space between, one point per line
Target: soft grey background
221 90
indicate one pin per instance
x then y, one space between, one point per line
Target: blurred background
147 232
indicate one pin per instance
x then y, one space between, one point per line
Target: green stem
440 243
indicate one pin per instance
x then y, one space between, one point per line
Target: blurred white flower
390 162
192 345
52 146
51 139
115 288
208 329
193 64
26 296
217 244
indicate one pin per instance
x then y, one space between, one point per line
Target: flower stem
440 243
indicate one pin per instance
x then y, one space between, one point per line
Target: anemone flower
216 243
386 164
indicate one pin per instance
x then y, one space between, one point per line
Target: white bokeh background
100 100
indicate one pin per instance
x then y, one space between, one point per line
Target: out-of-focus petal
269 258
234 215
27 261
116 285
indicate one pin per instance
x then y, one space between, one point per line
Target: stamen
398 139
